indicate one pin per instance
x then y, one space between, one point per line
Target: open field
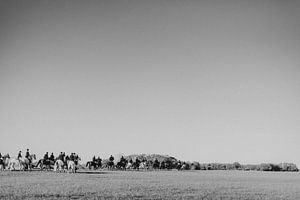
150 185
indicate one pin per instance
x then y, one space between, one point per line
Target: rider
72 157
122 159
76 158
46 157
111 158
51 157
94 159
60 156
63 156
98 162
19 155
27 155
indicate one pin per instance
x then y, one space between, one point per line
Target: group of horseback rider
27 155
96 163
48 160
63 157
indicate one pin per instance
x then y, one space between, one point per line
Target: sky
207 81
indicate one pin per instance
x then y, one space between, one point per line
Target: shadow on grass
93 172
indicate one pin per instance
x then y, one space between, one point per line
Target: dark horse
93 164
110 165
122 164
45 164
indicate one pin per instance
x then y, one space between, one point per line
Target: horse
143 166
15 164
45 164
93 165
110 165
136 164
4 162
122 164
59 166
27 162
71 166
128 166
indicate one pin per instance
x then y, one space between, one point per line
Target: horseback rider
27 155
19 155
51 157
111 158
72 157
122 159
46 157
60 156
99 160
63 157
94 159
76 158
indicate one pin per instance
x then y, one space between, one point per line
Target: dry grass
150 185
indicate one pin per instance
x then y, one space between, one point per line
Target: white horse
129 165
15 164
71 166
143 166
4 162
59 166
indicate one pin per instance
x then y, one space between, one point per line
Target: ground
150 185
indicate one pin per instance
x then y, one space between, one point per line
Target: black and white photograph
150 99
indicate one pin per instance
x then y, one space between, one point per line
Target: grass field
150 185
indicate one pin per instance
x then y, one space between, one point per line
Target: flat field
150 185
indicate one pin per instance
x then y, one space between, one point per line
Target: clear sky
211 81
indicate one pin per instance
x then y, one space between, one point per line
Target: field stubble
150 185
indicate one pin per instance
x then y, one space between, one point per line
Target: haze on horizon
211 81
